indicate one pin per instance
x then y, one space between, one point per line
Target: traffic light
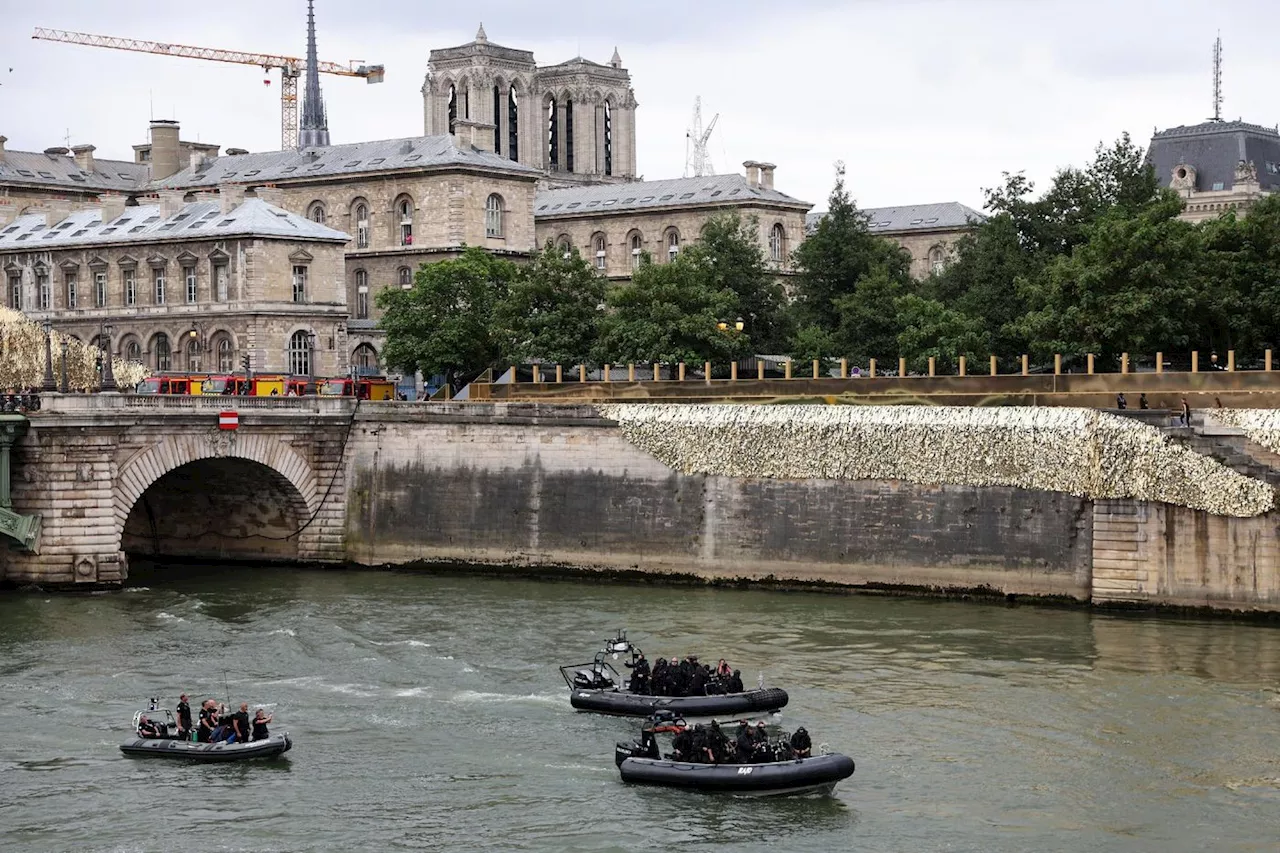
244 360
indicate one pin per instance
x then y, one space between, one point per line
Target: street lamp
738 324
108 372
311 353
195 336
49 383
65 386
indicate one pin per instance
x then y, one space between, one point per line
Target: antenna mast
1217 79
697 163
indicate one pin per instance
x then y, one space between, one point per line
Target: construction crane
291 68
697 162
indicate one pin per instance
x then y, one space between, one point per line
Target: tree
729 250
444 323
839 254
1241 280
931 329
867 319
669 313
552 310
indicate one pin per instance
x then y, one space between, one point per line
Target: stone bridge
117 474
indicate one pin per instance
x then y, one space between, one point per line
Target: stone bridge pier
112 475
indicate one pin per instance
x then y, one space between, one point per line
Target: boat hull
819 774
185 750
724 706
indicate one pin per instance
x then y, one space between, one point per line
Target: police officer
744 742
639 674
184 718
682 746
734 684
801 743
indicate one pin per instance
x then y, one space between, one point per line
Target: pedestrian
1121 403
1142 402
1184 418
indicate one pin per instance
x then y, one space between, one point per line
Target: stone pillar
562 137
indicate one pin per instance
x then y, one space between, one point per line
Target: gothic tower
313 131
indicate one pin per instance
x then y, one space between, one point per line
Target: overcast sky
924 100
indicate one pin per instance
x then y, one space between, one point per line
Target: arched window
777 244
365 358
493 216
637 249
937 259
404 216
300 353
673 243
600 246
553 136
362 295
316 212
608 138
405 277
160 346
362 225
565 245
453 109
193 356
133 351
226 357
513 125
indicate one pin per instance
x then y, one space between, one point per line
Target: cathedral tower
313 131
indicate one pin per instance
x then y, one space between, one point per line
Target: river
428 714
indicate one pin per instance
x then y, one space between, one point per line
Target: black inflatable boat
816 775
597 687
168 747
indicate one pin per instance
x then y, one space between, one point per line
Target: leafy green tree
669 313
1241 280
837 256
552 309
730 252
868 325
444 324
929 328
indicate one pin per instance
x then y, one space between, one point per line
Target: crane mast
697 159
290 67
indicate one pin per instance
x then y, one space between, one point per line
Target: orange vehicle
165 385
365 388
267 385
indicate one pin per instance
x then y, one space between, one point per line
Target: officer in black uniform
184 718
801 743
639 674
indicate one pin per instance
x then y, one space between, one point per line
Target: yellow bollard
1026 367
932 366
1195 361
733 370
815 368
760 369
1266 361
1057 364
1159 362
631 373
902 366
786 367
537 375
559 374
657 375
706 372
582 373
994 366
1231 359
680 368
844 368
1089 364
606 373
1124 362
871 370
962 365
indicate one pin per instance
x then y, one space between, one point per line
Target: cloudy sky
924 100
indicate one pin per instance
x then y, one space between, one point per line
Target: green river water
428 714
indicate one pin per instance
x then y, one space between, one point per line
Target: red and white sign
228 420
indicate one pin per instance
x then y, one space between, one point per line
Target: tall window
226 359
72 299
46 292
300 354
937 260
600 248
608 138
553 135
362 295
362 226
299 283
130 287
513 125
497 120
493 216
133 351
406 278
673 244
159 285
365 357
777 244
406 223
221 280
637 251
100 288
189 274
564 245
568 134
15 292
162 352
193 355
453 109
316 212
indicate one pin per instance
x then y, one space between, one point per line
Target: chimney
469 134
197 157
273 196
112 206
3 140
84 157
171 202
164 149
232 196
753 173
766 175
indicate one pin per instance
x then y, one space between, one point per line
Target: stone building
186 286
576 121
614 226
65 179
929 232
1217 166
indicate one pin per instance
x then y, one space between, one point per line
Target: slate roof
911 217
145 224
677 192
1215 148
60 170
351 159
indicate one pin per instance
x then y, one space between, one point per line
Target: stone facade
235 292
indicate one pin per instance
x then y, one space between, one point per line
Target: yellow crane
291 67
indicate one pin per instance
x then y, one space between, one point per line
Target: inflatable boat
597 687
186 750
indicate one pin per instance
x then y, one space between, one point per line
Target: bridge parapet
81 404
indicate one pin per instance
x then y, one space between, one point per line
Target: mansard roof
146 224
947 215
61 170
1215 148
727 190
387 155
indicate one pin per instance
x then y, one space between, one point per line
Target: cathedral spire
314 129
481 38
